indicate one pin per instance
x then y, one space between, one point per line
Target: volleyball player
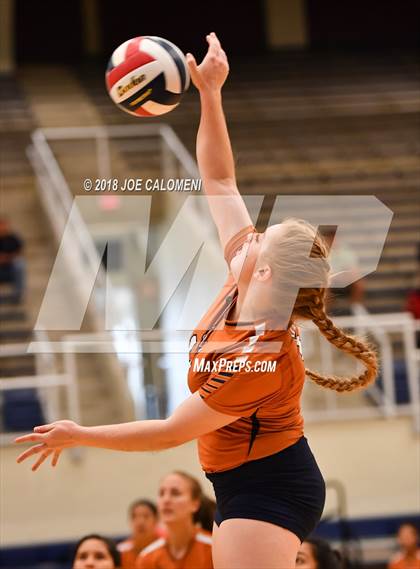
315 553
143 517
408 557
180 503
269 490
96 552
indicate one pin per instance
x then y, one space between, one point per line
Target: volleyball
147 76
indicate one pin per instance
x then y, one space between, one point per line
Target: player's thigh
248 544
214 537
214 531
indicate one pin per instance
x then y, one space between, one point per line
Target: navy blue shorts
286 489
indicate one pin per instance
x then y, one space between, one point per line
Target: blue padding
44 556
364 528
400 382
57 556
21 410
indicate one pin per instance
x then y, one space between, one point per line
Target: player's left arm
190 420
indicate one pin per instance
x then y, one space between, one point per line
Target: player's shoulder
396 561
153 547
204 538
125 545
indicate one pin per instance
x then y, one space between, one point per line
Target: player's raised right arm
214 151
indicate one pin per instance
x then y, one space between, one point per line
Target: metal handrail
401 322
59 202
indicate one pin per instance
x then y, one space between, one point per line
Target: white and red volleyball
147 76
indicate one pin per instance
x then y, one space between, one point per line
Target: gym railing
82 258
175 161
380 327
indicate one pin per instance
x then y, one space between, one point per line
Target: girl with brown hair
96 552
143 518
181 503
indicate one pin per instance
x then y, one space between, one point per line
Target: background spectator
96 552
179 502
12 266
143 517
412 303
317 554
409 555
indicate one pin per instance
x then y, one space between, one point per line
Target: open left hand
213 70
50 440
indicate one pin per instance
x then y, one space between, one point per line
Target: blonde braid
349 344
287 257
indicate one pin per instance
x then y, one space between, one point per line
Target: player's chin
167 515
235 277
236 265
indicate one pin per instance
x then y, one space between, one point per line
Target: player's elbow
175 434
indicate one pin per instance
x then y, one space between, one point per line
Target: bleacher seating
310 124
20 201
20 409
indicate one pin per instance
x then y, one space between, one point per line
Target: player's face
93 554
175 503
407 537
143 521
305 558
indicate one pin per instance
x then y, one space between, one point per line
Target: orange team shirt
157 555
250 371
129 553
399 561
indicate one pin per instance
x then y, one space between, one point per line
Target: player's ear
263 273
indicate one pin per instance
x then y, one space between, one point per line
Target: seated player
12 265
143 519
409 555
96 552
316 553
185 546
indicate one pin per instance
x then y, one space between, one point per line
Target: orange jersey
129 552
399 561
250 371
158 556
